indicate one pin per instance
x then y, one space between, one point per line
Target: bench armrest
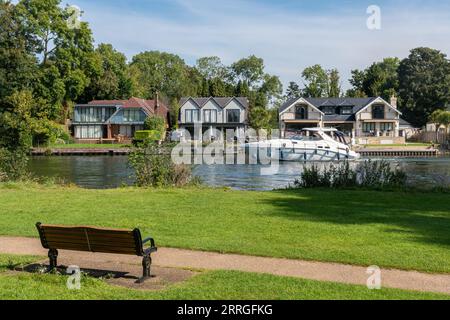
152 242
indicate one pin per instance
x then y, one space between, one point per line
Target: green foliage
155 123
316 81
334 84
147 135
13 165
379 80
369 174
153 167
162 72
424 79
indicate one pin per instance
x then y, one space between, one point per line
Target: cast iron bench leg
146 263
53 256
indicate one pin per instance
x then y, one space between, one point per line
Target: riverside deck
81 152
402 153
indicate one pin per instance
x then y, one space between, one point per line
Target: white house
214 115
368 120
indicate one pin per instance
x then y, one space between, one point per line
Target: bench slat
92 239
93 248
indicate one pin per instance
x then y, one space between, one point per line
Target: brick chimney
394 101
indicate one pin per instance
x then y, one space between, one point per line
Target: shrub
157 124
13 165
369 174
153 167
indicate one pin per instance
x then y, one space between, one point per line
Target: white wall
211 105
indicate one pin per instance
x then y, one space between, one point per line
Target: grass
223 285
405 230
89 146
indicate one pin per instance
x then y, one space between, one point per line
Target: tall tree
293 91
381 78
315 81
424 84
113 81
163 72
357 81
211 68
334 84
249 70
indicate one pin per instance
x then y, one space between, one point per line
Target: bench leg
146 263
53 256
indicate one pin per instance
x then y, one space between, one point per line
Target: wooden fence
429 136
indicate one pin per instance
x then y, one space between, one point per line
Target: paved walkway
178 258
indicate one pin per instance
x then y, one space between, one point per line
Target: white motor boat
312 144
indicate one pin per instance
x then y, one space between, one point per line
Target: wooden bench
101 240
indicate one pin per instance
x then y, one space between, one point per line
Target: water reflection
111 172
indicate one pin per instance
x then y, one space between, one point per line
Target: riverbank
403 230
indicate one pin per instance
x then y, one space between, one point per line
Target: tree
293 91
212 68
440 118
18 66
163 72
357 81
249 70
315 81
424 82
381 79
113 81
334 84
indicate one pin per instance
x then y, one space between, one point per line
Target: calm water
110 172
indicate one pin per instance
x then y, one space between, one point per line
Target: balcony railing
390 134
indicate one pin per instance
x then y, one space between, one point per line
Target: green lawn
406 230
89 146
223 285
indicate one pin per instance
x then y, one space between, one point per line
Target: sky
288 34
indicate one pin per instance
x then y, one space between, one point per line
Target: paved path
178 258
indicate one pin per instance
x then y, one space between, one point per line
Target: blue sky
288 34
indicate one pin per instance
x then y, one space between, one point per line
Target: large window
88 132
210 116
192 116
301 112
93 114
386 126
233 116
133 115
369 127
378 112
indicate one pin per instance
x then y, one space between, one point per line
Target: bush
369 174
147 135
157 124
13 165
153 167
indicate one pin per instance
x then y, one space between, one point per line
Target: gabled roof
220 101
356 103
148 106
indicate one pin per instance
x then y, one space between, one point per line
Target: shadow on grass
424 217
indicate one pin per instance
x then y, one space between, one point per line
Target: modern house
214 115
114 120
368 120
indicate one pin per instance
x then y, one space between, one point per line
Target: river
103 172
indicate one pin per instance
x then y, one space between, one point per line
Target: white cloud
288 41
